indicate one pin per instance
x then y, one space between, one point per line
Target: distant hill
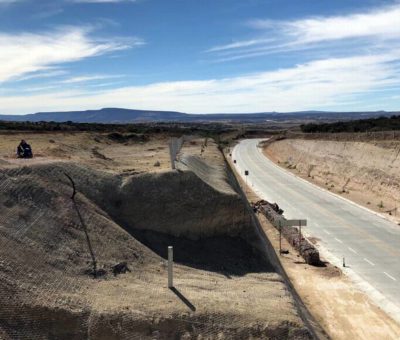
123 116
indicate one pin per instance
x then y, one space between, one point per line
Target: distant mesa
123 116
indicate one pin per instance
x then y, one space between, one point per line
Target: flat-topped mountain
117 115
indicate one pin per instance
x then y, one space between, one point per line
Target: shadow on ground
222 254
183 299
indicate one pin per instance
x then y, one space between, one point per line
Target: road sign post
296 223
299 232
246 173
280 238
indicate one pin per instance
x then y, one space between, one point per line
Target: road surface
369 243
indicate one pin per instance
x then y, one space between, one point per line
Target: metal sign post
294 223
280 238
299 232
246 173
170 266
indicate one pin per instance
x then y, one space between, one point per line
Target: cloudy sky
199 56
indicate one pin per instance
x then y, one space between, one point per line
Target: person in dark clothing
24 150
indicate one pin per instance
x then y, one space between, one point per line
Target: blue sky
199 56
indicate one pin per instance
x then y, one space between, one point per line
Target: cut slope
45 290
367 173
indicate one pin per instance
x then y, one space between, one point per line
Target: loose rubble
274 214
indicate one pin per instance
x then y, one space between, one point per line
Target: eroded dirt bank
367 173
224 287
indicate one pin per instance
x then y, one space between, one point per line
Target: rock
120 268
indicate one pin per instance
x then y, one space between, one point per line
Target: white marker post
170 264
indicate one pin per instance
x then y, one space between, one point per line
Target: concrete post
172 152
170 266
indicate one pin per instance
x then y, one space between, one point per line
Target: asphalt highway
369 243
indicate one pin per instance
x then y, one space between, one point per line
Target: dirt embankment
367 173
224 287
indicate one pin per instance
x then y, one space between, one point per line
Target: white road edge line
352 250
371 263
340 241
389 276
386 304
325 190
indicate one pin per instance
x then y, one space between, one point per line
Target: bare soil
132 210
97 150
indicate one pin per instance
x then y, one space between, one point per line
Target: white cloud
50 72
367 31
314 85
240 44
27 53
84 79
382 23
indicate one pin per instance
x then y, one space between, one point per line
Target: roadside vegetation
361 125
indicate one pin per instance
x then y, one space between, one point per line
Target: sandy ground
224 288
344 311
366 173
93 149
337 304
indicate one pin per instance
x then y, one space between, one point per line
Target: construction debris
275 215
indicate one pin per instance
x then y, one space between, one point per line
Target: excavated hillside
224 287
365 172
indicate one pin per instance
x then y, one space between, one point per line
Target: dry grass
93 149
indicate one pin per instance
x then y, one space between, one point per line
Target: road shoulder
337 304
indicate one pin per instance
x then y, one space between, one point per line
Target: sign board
246 172
295 223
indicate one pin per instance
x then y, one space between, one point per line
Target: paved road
369 243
